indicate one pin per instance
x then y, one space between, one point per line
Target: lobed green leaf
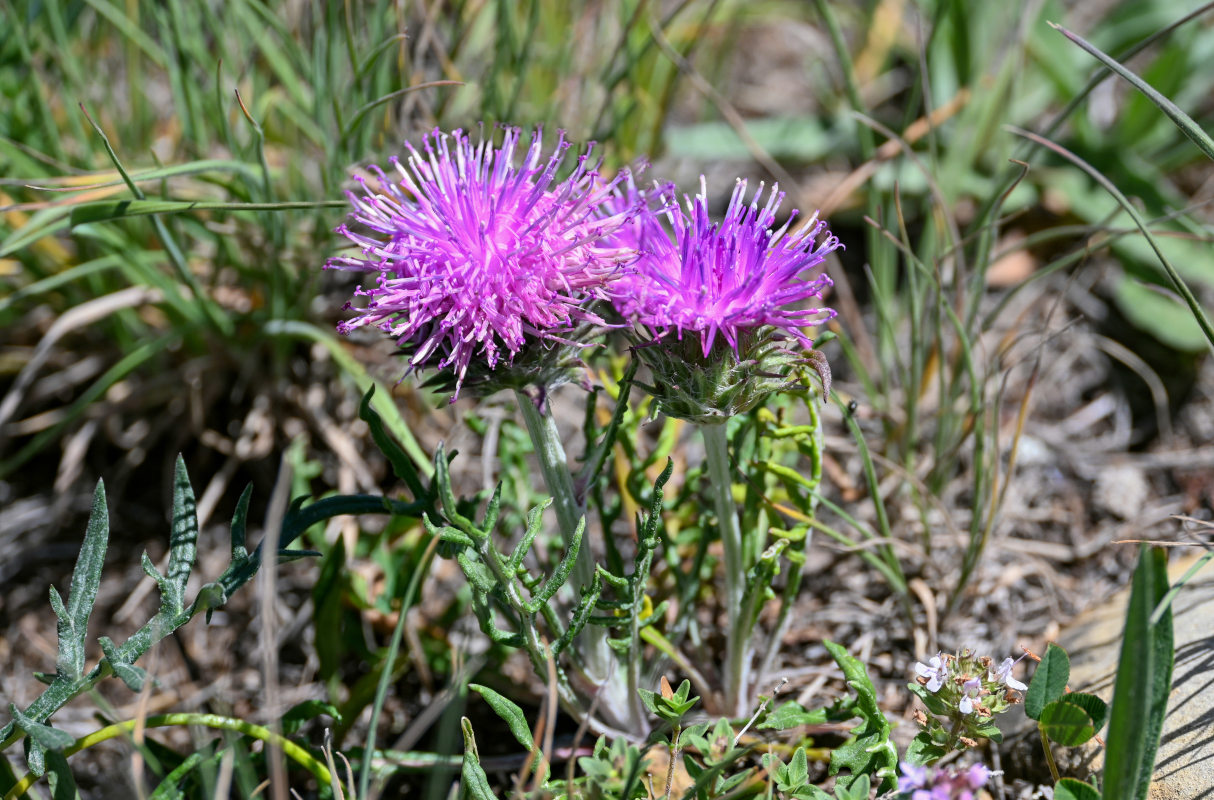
86 578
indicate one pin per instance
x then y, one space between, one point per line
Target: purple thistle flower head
728 278
714 305
475 258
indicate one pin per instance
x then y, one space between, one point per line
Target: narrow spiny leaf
86 578
183 544
239 524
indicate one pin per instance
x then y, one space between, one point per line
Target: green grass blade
385 678
52 282
1182 120
106 210
131 31
1166 602
355 120
44 223
381 402
128 364
214 314
1177 282
400 461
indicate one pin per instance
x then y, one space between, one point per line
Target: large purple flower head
477 258
719 308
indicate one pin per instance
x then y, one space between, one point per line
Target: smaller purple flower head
475 256
726 278
718 308
935 670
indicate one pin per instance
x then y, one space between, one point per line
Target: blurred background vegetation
991 293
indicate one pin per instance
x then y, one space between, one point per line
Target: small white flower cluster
963 693
941 667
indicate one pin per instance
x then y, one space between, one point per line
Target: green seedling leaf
1073 789
475 782
989 731
510 713
791 715
669 706
1066 723
1049 681
1144 679
793 777
86 578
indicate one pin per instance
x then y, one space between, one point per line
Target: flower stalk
597 658
720 477
555 468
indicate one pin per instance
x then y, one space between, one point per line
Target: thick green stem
555 468
721 487
597 658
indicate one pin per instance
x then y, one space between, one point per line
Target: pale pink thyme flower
475 256
1004 675
941 783
728 278
935 670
